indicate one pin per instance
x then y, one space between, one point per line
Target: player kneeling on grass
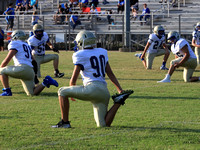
152 48
23 68
92 64
38 42
185 57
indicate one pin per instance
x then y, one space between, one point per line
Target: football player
23 68
185 58
196 41
92 63
37 43
152 48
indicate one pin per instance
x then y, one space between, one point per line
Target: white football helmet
159 30
85 39
173 35
197 26
18 35
37 28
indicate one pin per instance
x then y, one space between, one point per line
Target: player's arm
194 43
145 50
185 58
10 55
52 47
75 75
112 77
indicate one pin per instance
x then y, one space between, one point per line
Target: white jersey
93 63
196 37
38 46
23 55
176 48
155 42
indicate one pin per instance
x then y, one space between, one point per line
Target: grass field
156 117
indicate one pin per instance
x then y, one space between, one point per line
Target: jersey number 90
99 65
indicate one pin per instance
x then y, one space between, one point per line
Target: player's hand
55 50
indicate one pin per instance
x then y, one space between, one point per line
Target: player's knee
56 57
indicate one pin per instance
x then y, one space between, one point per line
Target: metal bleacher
181 18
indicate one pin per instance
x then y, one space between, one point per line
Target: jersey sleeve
78 59
182 44
14 46
151 38
194 35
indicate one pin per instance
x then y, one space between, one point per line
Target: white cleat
164 81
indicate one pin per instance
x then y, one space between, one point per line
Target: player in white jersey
22 69
38 42
185 58
92 63
152 48
196 41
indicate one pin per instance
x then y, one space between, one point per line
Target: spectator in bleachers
67 10
110 20
35 18
93 10
145 13
27 6
120 6
74 20
19 5
1 39
34 4
7 21
83 3
10 11
134 7
59 17
73 3
94 3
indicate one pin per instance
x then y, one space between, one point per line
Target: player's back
23 55
92 62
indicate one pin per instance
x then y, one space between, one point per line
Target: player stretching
185 58
23 68
92 64
37 43
152 48
196 41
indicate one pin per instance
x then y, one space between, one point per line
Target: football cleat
138 55
163 68
6 92
49 81
62 124
59 75
120 98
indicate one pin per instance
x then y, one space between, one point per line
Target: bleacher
181 18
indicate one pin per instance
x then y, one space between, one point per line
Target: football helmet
18 35
85 39
159 30
197 26
173 36
38 30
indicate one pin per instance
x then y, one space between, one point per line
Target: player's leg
189 67
149 60
197 53
166 56
55 59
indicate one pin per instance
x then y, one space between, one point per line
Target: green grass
156 116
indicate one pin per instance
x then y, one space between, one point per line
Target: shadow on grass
165 98
155 129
